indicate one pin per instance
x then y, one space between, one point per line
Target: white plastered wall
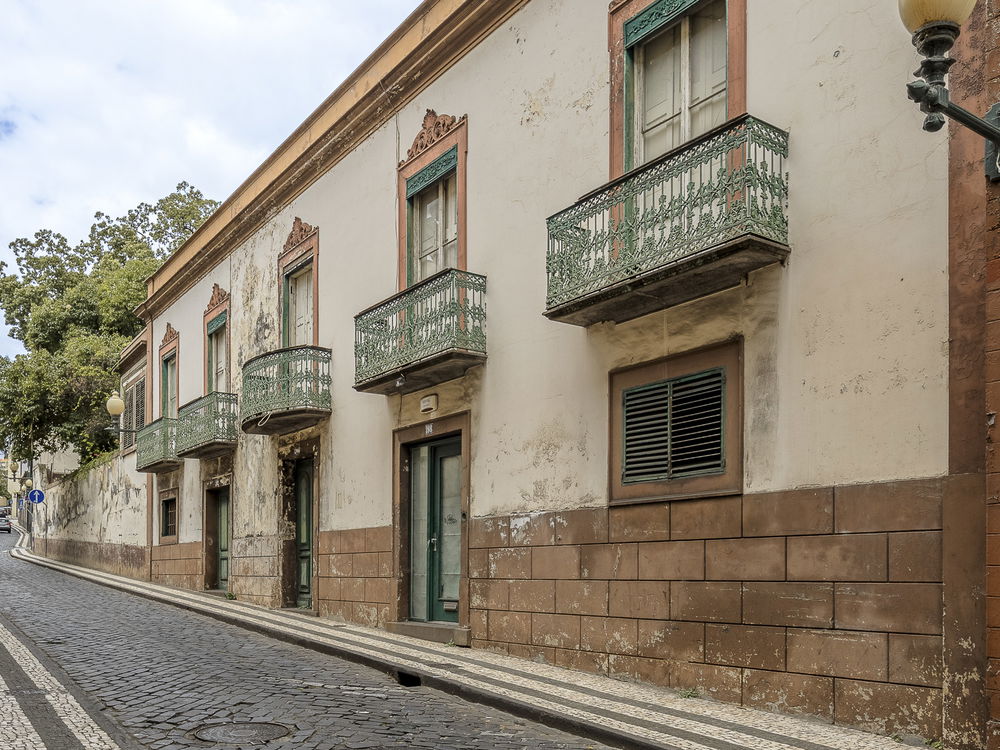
186 315
845 347
107 505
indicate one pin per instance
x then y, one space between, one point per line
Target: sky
105 104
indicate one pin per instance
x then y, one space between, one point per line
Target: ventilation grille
674 428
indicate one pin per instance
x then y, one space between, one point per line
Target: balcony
691 223
206 427
285 390
425 335
156 447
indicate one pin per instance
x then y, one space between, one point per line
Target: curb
407 675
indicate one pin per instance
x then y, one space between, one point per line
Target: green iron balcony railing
207 426
156 446
689 223
427 334
285 390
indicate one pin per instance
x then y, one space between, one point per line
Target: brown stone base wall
119 559
824 602
180 565
355 575
993 491
254 570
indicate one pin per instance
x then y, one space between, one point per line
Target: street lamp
116 407
935 25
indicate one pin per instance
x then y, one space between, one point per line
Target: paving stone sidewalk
619 713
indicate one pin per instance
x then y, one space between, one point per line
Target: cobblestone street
164 674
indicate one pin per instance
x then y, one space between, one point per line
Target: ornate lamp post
935 25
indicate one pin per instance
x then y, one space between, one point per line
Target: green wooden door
435 530
222 505
303 531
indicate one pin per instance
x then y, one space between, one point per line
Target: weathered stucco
96 518
845 357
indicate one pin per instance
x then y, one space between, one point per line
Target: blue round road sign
36 496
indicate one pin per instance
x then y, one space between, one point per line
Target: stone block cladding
824 602
987 41
119 559
355 575
254 570
181 565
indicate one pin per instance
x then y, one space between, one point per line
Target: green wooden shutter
674 428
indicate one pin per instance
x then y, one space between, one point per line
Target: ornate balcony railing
726 185
207 425
156 446
285 390
442 316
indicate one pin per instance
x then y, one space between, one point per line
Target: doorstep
438 632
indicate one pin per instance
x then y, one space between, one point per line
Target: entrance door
435 530
303 531
222 563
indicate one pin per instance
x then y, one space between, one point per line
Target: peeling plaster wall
186 316
845 348
96 519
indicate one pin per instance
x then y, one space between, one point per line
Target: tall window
679 83
134 418
218 355
434 226
299 306
168 387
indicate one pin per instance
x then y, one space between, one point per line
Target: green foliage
71 306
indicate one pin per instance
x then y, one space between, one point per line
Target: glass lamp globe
918 13
115 405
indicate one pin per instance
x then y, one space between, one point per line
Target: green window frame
215 328
638 30
168 383
438 171
288 274
674 428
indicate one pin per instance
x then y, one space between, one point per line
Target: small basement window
674 428
677 427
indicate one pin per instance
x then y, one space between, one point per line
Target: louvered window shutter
127 417
674 428
140 405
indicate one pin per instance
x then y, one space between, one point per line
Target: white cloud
107 103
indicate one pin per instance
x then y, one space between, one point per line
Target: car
5 524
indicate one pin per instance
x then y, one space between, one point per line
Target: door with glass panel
680 82
168 388
435 530
296 373
434 244
433 248
218 359
299 311
303 532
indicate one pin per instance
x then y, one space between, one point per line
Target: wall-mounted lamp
935 25
116 407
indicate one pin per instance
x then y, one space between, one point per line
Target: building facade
715 424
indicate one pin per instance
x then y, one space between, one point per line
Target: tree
71 306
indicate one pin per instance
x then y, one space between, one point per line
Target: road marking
16 730
58 700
